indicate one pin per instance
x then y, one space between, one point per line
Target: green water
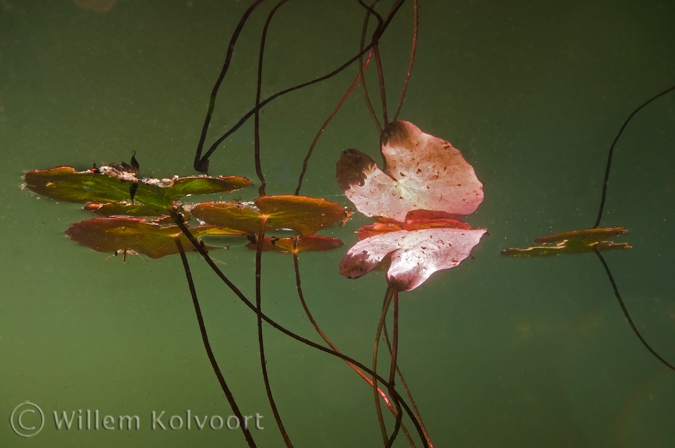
498 352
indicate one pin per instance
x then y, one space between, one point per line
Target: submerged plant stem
203 252
207 346
376 346
261 345
625 311
318 329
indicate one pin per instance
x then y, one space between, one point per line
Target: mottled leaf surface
303 214
66 184
572 242
422 172
116 235
411 256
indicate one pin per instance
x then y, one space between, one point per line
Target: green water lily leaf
303 214
298 244
136 236
110 185
572 242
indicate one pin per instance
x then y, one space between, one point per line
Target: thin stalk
261 345
362 66
203 165
408 393
625 311
318 329
263 103
207 346
605 183
376 346
413 49
392 370
178 220
305 162
258 166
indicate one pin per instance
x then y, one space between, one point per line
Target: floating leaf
411 256
572 242
303 214
423 172
108 185
302 244
117 235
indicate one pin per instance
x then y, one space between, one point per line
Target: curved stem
258 166
376 346
207 346
383 396
392 370
261 345
413 49
214 146
203 252
625 311
605 183
203 165
362 66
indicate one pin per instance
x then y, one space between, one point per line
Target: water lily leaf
585 236
303 214
572 242
423 172
112 185
135 235
302 244
411 256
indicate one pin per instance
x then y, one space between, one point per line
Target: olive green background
498 352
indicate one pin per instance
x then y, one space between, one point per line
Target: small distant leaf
305 215
411 256
572 242
423 172
302 244
115 235
111 185
585 235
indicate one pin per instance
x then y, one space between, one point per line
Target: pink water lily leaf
416 200
412 256
422 172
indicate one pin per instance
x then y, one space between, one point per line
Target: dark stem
261 345
207 346
202 165
392 370
408 393
413 49
369 105
605 183
258 166
263 103
203 252
330 343
305 162
376 346
625 310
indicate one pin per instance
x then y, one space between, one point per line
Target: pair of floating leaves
426 186
303 214
572 242
129 195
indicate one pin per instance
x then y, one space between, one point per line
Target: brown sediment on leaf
352 168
